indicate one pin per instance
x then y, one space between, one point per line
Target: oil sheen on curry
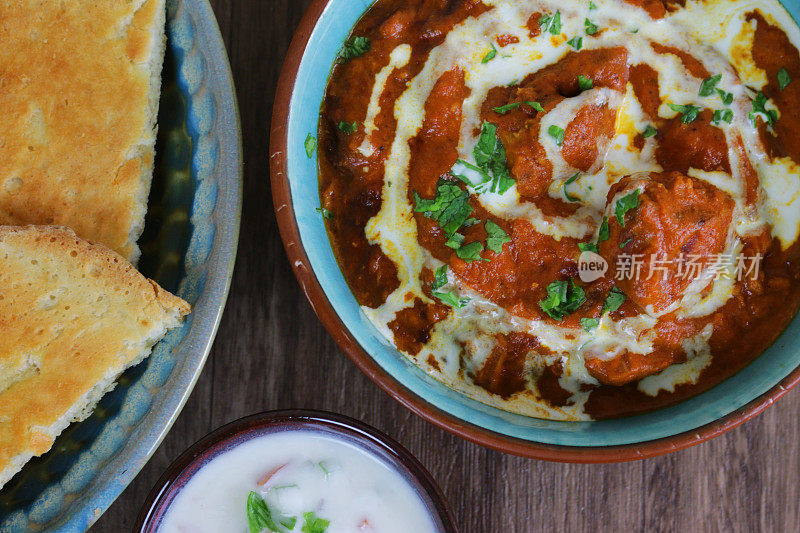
571 210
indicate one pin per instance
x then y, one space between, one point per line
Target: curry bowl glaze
301 91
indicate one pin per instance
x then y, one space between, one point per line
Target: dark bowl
377 444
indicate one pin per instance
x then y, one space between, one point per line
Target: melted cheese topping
722 24
461 344
698 358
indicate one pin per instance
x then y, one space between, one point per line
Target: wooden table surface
271 352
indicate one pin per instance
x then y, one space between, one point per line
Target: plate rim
290 235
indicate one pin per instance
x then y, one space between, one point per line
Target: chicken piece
628 366
587 133
666 237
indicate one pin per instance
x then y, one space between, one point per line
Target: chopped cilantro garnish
503 109
688 111
490 55
311 145
557 134
450 208
605 232
592 7
470 222
347 127
614 300
649 131
624 244
589 323
455 241
489 152
463 168
570 181
326 214
585 83
440 278
496 237
726 97
563 298
490 167
722 115
260 516
513 83
602 235
354 47
759 108
590 27
451 299
509 107
625 204
576 43
783 78
551 23
709 85
314 524
471 252
544 22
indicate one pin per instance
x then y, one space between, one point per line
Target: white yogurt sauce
298 472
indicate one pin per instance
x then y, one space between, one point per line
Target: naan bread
73 316
79 89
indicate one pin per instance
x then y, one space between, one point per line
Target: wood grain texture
271 352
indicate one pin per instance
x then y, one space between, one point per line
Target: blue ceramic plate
189 246
294 177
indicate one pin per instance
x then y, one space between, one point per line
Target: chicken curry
572 210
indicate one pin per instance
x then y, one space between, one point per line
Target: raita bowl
367 439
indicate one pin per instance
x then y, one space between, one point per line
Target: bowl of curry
567 230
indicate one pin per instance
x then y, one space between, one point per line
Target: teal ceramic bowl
189 246
294 181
